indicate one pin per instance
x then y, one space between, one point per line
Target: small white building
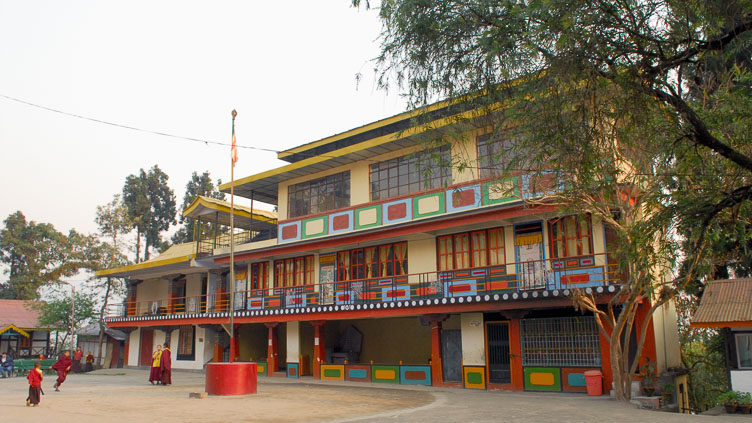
727 305
112 346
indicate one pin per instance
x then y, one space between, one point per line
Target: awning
213 209
176 258
725 303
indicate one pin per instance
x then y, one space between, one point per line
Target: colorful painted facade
375 270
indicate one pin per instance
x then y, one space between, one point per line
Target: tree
113 223
56 313
198 185
635 111
151 207
37 255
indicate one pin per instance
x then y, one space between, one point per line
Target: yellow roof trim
144 265
365 128
12 326
357 147
220 206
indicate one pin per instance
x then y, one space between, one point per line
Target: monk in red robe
63 366
35 385
156 366
165 365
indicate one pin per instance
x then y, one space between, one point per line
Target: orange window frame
558 233
445 253
495 244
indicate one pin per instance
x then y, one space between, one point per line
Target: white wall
422 257
473 342
293 342
741 380
134 348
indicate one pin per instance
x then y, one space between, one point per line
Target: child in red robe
89 362
35 385
166 365
63 366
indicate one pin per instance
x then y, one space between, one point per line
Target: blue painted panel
409 375
387 293
349 228
449 195
576 379
458 288
595 274
357 373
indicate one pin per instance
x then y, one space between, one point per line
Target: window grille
560 341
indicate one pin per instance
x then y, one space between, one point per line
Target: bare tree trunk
101 320
138 245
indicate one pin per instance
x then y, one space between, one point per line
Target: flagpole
232 242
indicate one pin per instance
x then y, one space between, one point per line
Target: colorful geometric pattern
474 377
573 378
428 205
542 378
449 200
261 369
358 373
292 370
503 191
385 374
315 227
463 198
332 372
415 375
341 222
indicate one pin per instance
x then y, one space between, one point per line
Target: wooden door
451 355
147 344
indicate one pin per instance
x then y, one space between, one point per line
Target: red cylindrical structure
594 382
230 378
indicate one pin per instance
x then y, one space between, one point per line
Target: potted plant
729 399
649 377
744 403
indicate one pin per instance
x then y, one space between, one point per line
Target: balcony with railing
540 279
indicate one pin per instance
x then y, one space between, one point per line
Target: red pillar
515 353
437 372
271 356
319 347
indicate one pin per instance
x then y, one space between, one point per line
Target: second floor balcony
539 279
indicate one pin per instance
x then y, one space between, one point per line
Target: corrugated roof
203 206
19 313
725 303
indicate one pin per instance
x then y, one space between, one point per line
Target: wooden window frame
285 279
578 237
380 265
260 275
471 256
192 355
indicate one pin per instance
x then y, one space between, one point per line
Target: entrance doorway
451 355
497 352
147 343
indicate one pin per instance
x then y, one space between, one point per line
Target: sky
180 67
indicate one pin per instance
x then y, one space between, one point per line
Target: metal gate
497 346
451 355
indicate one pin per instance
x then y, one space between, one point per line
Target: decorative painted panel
463 198
385 374
573 378
260 369
288 232
368 217
358 373
292 370
503 191
415 375
542 378
460 288
315 227
428 205
397 211
474 377
332 372
341 222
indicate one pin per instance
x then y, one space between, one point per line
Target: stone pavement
124 395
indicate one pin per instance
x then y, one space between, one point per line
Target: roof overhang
726 303
15 329
218 210
396 133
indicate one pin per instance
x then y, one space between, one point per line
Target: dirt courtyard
124 395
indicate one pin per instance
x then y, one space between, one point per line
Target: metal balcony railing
590 271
